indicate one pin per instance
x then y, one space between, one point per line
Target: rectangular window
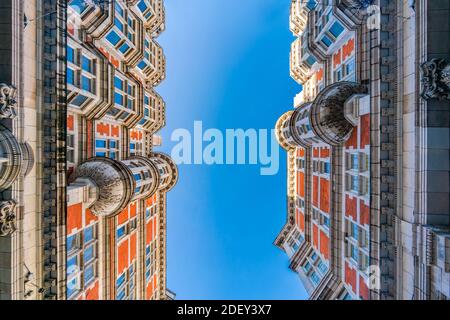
124 48
70 54
118 83
119 10
89 254
89 274
79 100
70 76
86 84
72 265
118 99
86 64
73 286
88 234
73 243
113 38
336 29
121 295
322 267
315 279
100 143
121 280
119 25
122 231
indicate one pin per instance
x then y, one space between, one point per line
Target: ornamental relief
7 218
8 102
435 79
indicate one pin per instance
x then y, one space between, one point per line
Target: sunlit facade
83 192
368 216
116 208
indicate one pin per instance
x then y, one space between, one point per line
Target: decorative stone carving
117 183
7 218
8 95
328 115
435 79
114 181
15 158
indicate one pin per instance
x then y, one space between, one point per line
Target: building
368 206
83 192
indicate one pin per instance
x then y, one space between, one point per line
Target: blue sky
228 66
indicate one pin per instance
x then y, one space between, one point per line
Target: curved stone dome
114 181
328 115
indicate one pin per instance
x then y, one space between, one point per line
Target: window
354 232
89 274
78 5
338 75
81 77
336 29
87 64
125 283
124 48
86 84
89 234
81 266
70 54
354 253
310 61
326 41
121 280
354 183
113 37
89 254
354 161
70 142
73 243
72 265
121 231
70 76
306 267
323 268
142 6
363 162
363 185
99 143
119 10
79 100
315 279
124 98
73 286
